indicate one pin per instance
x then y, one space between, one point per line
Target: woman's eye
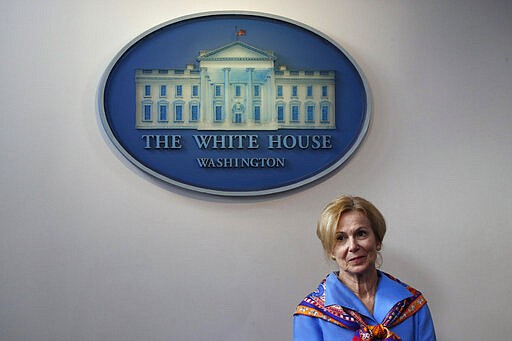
340 237
362 233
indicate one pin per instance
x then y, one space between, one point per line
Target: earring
333 257
379 261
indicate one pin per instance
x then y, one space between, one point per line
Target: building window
194 113
147 112
256 91
294 91
162 113
324 91
147 91
325 113
218 90
257 113
294 113
237 117
195 90
280 113
238 91
309 91
310 113
179 90
218 113
178 113
163 90
279 91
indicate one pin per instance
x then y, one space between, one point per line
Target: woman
359 302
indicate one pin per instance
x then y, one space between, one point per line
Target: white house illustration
235 87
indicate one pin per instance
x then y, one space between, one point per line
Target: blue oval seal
235 104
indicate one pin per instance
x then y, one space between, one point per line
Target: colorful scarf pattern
314 305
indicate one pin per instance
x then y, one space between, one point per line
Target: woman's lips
357 259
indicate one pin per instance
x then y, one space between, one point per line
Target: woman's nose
352 244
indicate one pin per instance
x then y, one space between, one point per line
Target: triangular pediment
236 51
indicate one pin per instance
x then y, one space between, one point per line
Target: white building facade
235 87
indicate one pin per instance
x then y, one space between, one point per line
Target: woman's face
356 245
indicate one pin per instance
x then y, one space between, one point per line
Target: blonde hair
330 216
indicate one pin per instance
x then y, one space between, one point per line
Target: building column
269 99
204 102
226 95
250 88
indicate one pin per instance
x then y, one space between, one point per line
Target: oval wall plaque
237 104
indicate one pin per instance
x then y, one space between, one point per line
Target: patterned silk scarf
314 305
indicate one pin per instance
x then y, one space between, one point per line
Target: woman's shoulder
319 290
392 282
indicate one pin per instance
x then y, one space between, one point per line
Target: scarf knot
380 332
377 332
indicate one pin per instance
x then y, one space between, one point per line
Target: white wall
91 249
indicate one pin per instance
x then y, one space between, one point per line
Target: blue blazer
418 327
